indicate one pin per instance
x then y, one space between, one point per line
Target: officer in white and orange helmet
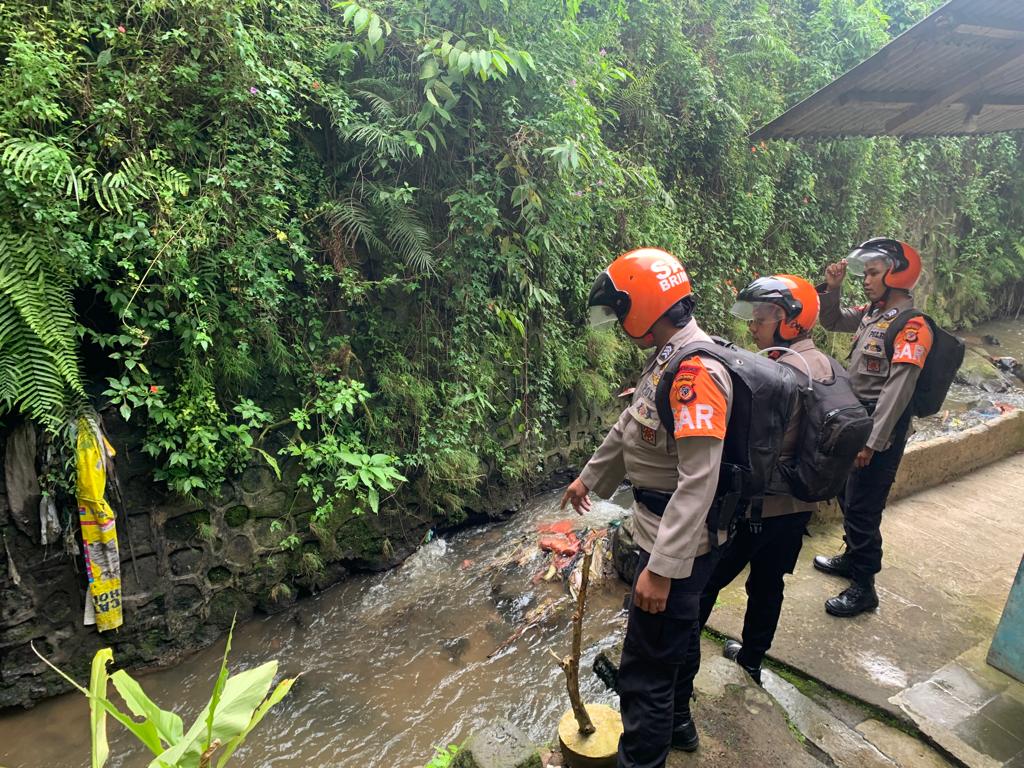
674 473
884 381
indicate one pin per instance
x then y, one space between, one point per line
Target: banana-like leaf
279 693
165 726
99 699
97 713
218 687
241 696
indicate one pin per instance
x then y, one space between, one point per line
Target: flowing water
968 406
395 663
391 663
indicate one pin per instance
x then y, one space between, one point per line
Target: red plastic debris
559 544
563 527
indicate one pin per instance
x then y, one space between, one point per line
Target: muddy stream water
395 663
391 663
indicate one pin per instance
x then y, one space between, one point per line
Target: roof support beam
892 98
905 98
987 25
958 88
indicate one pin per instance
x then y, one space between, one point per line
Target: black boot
839 565
684 736
606 671
855 599
732 652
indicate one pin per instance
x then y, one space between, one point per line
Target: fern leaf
410 238
355 222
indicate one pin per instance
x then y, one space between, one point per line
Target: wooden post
571 663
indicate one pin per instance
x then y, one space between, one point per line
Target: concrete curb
937 461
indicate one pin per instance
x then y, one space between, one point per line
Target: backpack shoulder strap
897 325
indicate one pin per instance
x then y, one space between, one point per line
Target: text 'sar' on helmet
637 288
903 259
796 297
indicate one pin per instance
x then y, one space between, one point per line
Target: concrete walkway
951 553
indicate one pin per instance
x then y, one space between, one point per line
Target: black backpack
764 394
834 427
943 361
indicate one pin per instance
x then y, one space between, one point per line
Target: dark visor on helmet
607 303
769 290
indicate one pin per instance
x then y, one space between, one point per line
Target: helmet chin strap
777 337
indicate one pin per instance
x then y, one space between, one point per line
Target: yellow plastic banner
99 534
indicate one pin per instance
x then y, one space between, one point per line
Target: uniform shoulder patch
913 342
698 405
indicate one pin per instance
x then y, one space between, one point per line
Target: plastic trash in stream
559 549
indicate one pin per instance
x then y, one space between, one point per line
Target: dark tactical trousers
863 500
771 554
653 697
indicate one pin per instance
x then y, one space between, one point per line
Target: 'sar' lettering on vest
912 343
698 405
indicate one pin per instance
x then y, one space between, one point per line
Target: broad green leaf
218 687
271 461
166 725
97 713
103 59
374 33
279 693
102 701
481 60
443 91
374 498
429 68
499 63
243 693
361 20
240 697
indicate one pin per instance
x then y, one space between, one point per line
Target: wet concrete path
950 557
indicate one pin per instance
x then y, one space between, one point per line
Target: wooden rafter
958 88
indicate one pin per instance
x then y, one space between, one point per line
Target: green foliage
443 756
353 244
237 705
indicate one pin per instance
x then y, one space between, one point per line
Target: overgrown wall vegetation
360 237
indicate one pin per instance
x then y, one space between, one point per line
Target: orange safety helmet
795 296
637 288
904 261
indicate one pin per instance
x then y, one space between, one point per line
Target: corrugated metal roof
960 71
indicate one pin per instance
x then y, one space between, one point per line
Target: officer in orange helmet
780 311
885 383
674 473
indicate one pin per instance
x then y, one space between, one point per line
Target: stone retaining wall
188 567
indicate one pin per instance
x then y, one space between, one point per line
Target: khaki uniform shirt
875 379
685 463
820 370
